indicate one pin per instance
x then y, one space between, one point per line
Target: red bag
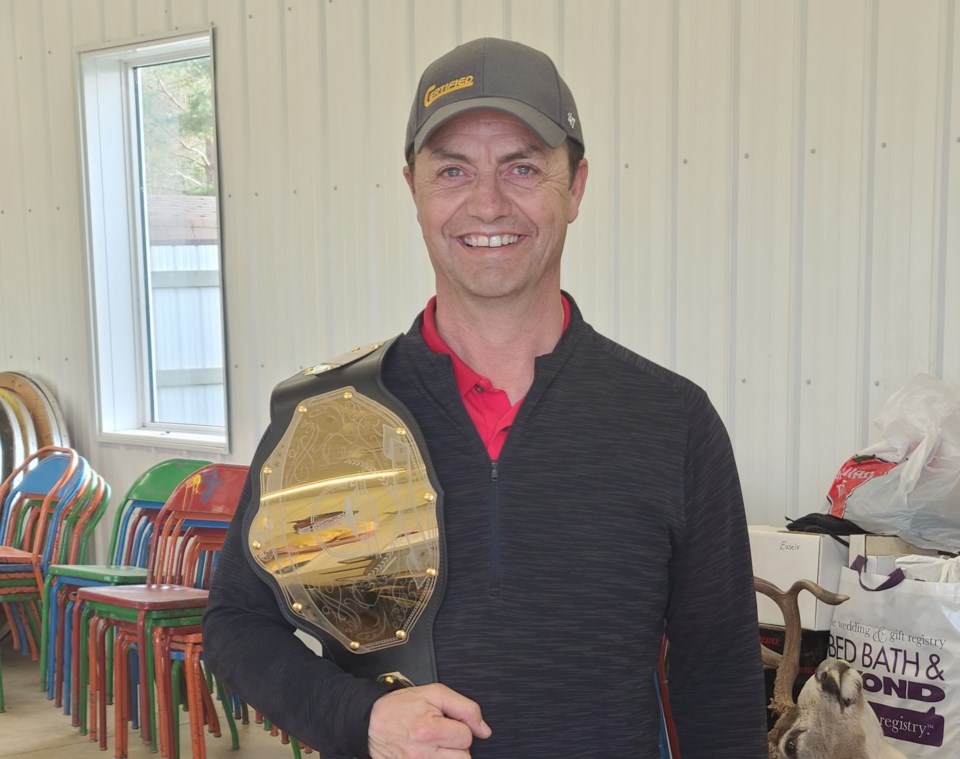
855 471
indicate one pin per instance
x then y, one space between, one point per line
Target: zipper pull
494 471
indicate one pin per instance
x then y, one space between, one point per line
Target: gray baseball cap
499 74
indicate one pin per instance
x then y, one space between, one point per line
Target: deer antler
788 665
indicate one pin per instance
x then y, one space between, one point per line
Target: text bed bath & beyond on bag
903 636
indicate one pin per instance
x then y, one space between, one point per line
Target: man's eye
451 172
524 171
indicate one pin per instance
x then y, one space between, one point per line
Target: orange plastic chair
51 503
189 532
127 554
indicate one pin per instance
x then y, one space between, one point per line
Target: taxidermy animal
831 720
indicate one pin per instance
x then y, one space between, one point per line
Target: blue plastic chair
128 555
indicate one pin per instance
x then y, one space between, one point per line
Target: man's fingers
461 708
442 731
424 722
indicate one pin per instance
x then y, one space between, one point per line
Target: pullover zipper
494 528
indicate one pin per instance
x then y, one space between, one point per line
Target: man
590 500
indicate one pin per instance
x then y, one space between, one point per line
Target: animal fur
831 720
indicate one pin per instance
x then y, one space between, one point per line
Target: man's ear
408 175
577 187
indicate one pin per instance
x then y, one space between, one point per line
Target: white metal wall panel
267 194
826 417
68 349
151 17
705 200
13 230
744 222
400 277
769 74
119 18
901 286
536 23
34 156
186 15
646 171
590 256
483 18
304 43
346 186
950 203
241 266
88 22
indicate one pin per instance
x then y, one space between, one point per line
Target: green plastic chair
127 554
194 519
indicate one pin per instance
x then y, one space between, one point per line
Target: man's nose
487 200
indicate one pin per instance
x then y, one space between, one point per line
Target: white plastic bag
929 568
918 499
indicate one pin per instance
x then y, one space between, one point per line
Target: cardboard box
882 552
783 557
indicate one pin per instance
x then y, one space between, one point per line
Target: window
153 236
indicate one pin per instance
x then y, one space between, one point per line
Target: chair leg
31 616
228 713
191 666
93 684
2 708
121 701
176 686
80 665
62 683
209 708
47 619
166 714
13 622
102 683
146 699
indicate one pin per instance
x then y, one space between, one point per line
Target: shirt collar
467 379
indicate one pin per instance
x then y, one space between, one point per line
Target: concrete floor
32 727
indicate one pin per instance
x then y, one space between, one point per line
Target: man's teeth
495 241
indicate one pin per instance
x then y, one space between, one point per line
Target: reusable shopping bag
904 637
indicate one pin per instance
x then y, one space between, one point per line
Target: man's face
494 202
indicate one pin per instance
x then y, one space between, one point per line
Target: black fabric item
614 505
824 524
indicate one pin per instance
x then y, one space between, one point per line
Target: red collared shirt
489 407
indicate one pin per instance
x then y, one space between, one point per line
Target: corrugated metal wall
773 206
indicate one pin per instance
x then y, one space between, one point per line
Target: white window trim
120 384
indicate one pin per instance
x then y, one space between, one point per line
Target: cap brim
552 134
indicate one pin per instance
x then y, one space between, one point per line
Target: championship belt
344 522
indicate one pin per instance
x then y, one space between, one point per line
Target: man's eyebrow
448 155
527 151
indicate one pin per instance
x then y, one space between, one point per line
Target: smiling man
585 501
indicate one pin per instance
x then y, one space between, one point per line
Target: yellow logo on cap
433 92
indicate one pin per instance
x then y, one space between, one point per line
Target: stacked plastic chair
51 503
127 555
188 534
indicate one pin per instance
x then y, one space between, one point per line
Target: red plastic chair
189 532
133 521
50 505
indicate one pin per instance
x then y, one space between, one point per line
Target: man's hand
427 721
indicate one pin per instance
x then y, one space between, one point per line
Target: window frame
116 278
